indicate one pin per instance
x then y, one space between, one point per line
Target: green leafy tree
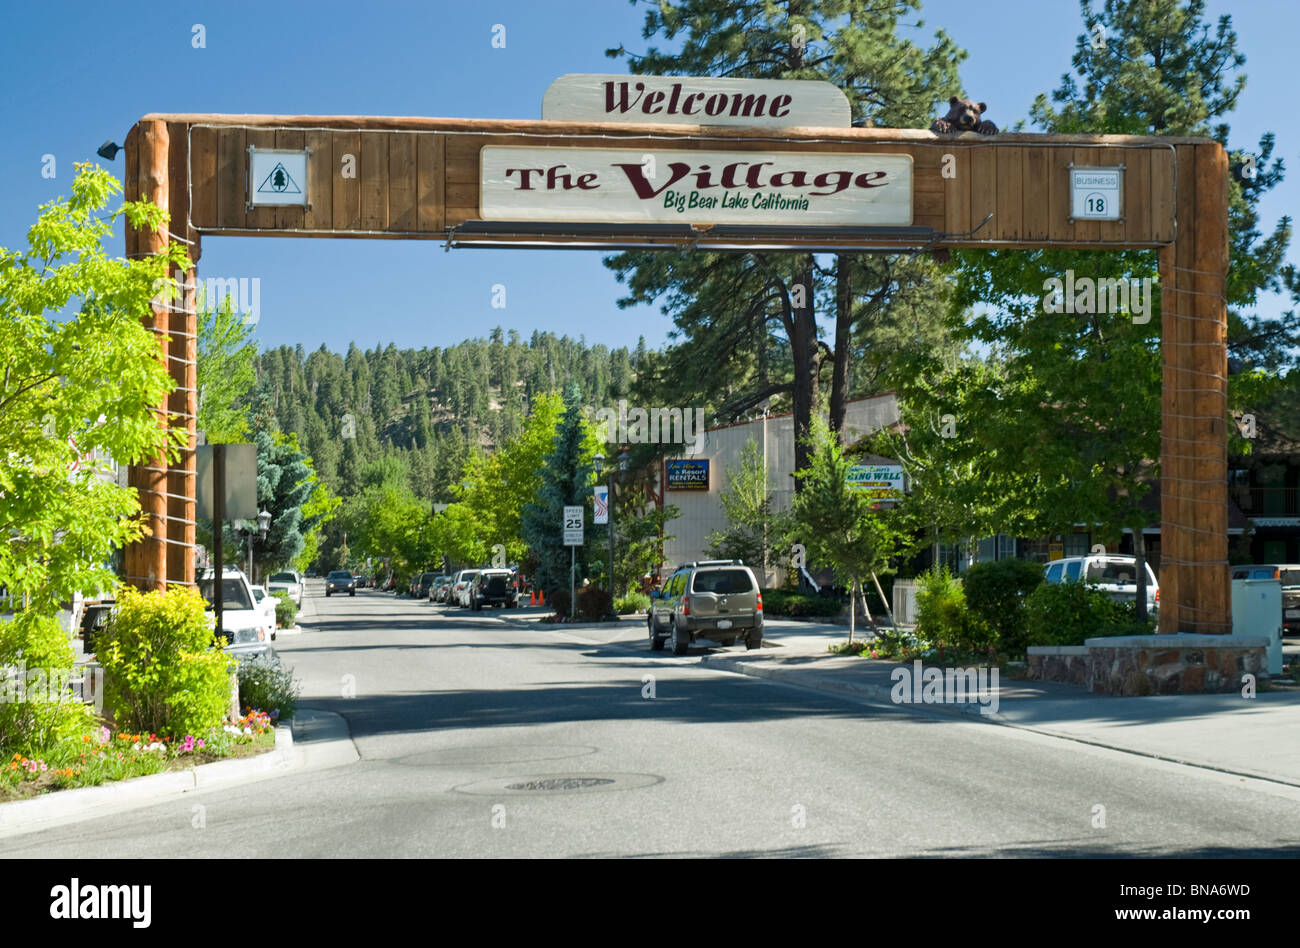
80 377
838 524
641 534
458 535
496 487
226 371
318 510
1069 433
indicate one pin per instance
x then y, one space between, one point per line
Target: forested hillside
427 409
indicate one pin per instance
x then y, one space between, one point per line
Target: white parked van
1113 573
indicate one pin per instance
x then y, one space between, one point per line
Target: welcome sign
630 186
691 100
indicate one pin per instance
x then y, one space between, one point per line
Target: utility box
1256 611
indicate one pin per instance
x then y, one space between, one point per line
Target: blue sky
75 74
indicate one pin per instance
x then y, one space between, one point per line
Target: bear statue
963 116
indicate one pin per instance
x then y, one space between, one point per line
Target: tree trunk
843 325
803 347
853 608
888 610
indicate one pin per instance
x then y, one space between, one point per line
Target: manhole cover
560 783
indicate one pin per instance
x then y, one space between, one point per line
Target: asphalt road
449 710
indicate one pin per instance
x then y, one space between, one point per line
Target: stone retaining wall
1067 663
1153 664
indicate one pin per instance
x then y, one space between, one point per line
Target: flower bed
100 757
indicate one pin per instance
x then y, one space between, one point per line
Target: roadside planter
1154 664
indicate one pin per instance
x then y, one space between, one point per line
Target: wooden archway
419 178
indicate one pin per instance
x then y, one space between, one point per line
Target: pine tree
566 481
726 304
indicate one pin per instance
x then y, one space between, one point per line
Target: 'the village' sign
606 185
686 100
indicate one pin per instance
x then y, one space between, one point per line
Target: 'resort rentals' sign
629 186
686 475
688 100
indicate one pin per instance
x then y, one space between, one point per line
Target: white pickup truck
246 627
1114 574
289 581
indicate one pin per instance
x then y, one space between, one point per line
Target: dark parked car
423 584
340 581
494 587
363 582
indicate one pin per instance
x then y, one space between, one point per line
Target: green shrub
787 602
37 708
1069 613
286 613
559 601
942 617
632 603
593 603
162 673
995 595
266 685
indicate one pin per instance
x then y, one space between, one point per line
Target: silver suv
717 600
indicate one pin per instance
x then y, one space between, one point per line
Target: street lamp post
263 525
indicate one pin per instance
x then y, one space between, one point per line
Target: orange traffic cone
541 598
532 597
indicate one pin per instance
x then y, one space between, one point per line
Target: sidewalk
1251 737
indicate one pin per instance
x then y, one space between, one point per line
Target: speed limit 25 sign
574 518
1096 194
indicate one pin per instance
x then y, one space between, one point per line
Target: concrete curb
870 694
85 803
539 624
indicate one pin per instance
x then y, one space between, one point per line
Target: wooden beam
182 353
1195 590
146 560
609 129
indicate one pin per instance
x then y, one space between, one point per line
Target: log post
1195 590
182 351
147 179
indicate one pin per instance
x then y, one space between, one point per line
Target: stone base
1154 664
1066 663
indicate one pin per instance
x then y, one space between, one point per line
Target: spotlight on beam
109 150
